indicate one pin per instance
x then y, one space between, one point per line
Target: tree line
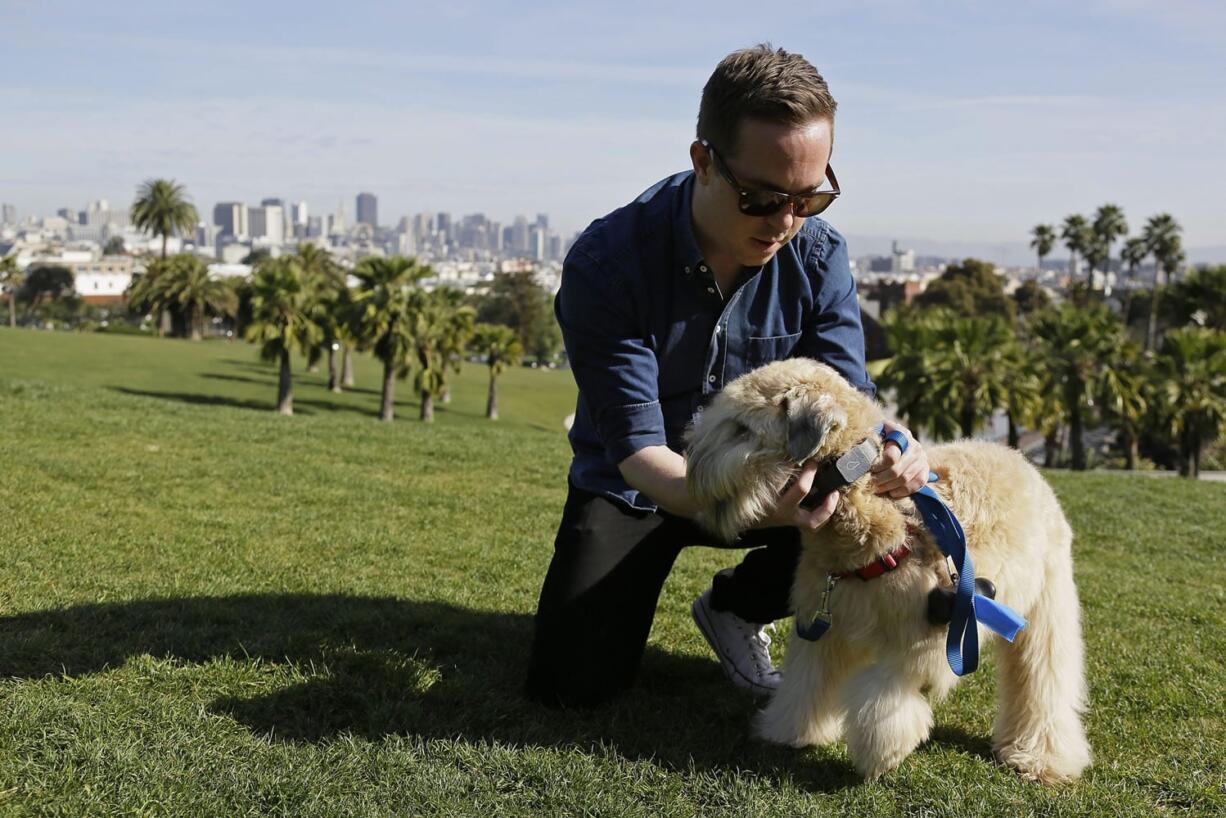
965 350
303 304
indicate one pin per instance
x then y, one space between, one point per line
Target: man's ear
700 158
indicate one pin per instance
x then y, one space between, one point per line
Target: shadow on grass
302 406
205 400
375 667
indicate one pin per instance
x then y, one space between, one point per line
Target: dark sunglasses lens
761 202
812 205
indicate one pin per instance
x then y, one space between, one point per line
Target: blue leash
962 646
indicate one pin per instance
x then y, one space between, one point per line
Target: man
705 276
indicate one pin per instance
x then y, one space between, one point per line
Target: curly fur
870 678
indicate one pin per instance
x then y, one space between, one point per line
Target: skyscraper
8 214
268 223
231 219
368 209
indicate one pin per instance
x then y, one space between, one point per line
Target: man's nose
782 219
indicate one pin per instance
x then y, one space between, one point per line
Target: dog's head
757 432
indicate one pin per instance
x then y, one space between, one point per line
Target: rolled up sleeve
835 335
613 365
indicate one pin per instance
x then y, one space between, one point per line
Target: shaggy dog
865 680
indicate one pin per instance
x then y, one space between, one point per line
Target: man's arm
659 472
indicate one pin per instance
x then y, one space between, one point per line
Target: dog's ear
809 419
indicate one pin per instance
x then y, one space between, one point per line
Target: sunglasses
760 202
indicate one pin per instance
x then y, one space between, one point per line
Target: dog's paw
1050 767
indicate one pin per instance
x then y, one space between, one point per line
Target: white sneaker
742 647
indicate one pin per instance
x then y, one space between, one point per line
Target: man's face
784 158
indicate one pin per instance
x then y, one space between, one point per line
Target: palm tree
1192 366
971 368
149 293
1162 238
1075 232
281 319
1123 395
162 207
1043 242
1133 254
1109 225
1076 342
381 318
330 301
457 332
11 279
501 348
186 283
439 324
1023 370
913 336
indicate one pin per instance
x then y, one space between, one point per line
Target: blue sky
957 121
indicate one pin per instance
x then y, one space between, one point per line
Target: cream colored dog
865 680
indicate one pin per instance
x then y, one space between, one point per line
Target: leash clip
952 567
824 609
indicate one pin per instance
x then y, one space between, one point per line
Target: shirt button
710 379
717 329
711 290
687 271
702 268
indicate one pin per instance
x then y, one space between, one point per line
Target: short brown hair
762 83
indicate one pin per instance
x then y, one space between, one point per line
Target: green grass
209 609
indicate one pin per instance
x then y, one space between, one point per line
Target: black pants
601 591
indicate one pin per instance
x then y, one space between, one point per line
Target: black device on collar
847 469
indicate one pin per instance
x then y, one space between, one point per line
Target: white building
267 224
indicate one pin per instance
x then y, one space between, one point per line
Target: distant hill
1007 253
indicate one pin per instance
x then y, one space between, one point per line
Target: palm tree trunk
1132 450
164 236
1079 448
445 394
967 421
1194 464
1014 435
285 386
1051 448
165 323
197 323
491 406
387 409
334 381
346 368
1151 329
427 406
12 310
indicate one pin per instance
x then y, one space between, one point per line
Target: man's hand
788 511
900 474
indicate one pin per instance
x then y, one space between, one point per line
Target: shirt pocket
767 350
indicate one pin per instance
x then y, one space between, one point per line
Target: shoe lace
762 635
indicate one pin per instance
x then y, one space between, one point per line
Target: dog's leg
1038 729
887 716
806 710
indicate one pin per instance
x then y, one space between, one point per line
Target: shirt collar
686 255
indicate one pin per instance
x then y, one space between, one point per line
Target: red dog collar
884 563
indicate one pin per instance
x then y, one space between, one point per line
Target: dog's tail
1042 687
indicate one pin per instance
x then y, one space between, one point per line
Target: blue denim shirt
650 339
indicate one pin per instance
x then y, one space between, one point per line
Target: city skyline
956 124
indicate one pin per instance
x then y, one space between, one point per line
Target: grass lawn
209 609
